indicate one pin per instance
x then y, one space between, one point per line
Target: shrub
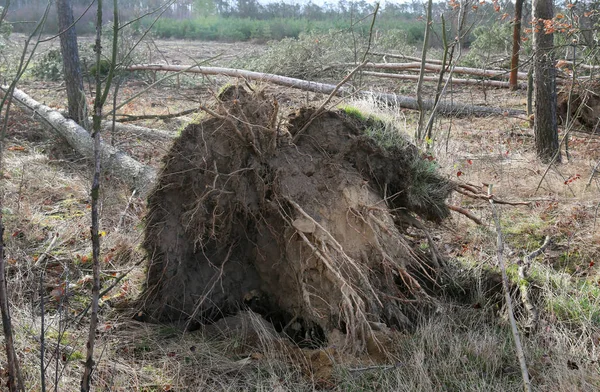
49 66
491 43
307 56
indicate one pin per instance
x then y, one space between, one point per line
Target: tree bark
324 88
136 174
71 64
514 63
544 74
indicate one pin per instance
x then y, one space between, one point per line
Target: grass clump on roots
425 189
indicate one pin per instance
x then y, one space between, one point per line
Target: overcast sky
320 2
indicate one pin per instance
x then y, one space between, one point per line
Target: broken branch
465 212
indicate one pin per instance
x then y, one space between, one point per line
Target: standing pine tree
72 67
545 126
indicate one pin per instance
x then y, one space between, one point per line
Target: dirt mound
307 233
584 107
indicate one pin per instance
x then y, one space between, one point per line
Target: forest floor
463 344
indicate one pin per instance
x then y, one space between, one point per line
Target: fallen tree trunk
149 133
324 88
588 67
120 127
401 56
136 174
487 83
167 116
415 66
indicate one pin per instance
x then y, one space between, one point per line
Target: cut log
415 66
561 63
401 56
324 88
136 174
476 82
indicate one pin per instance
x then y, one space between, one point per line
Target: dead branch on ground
472 192
465 212
533 314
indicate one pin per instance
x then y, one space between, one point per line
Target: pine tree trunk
545 126
72 67
514 63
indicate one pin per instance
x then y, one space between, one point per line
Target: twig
99 101
465 212
122 219
235 128
533 314
434 252
419 133
367 368
491 197
331 95
107 290
509 304
371 32
42 333
470 187
592 174
43 256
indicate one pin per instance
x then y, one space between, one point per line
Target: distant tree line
234 20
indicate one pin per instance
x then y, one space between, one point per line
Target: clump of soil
584 106
302 225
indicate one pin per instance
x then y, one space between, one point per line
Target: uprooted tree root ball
308 233
580 102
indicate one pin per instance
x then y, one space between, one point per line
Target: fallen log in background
587 67
136 174
145 132
476 82
324 88
416 66
401 56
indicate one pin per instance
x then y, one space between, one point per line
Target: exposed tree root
299 232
